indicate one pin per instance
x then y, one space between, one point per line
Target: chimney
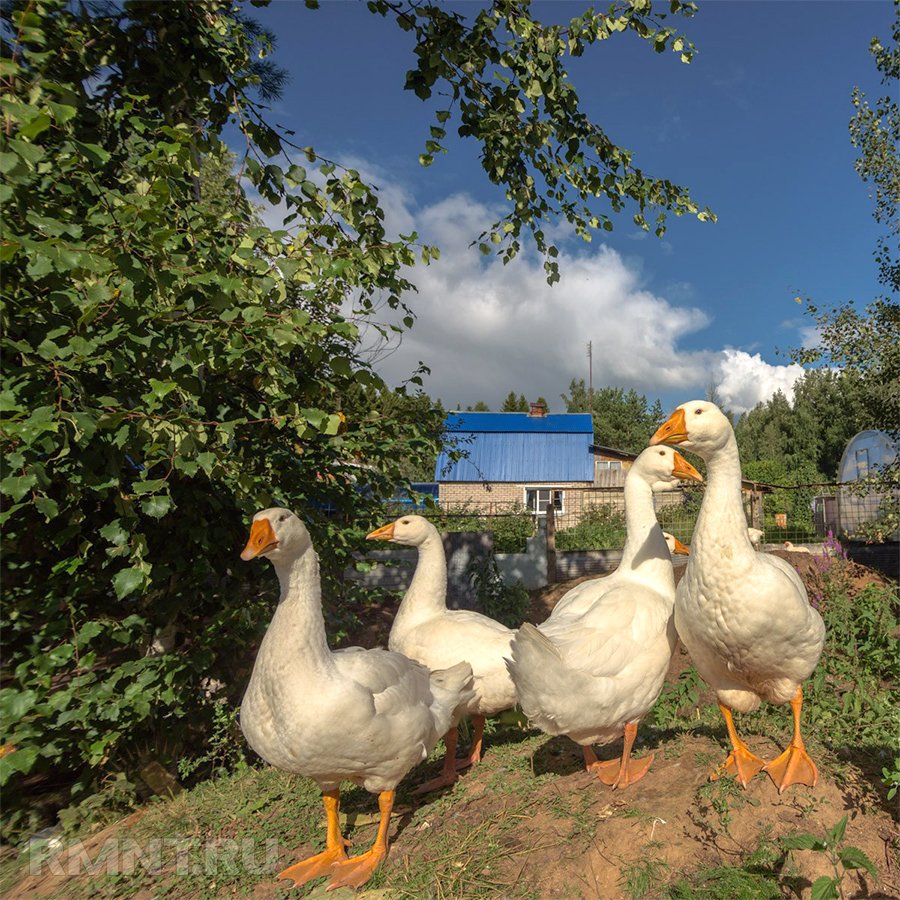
537 409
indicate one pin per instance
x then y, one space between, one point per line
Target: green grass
759 876
641 877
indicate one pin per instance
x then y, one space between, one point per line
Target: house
610 465
517 460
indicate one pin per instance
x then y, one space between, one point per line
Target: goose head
661 467
675 546
278 535
412 531
698 426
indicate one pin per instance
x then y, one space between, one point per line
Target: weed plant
507 603
601 527
510 528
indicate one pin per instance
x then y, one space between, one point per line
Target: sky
756 126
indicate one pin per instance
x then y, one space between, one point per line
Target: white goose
426 631
366 716
744 616
598 663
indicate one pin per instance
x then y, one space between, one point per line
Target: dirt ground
554 828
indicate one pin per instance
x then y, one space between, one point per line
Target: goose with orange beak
366 716
596 666
427 631
744 616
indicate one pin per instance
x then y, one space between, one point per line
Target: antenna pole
590 378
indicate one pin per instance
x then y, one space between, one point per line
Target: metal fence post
551 543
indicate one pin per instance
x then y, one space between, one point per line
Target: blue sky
756 126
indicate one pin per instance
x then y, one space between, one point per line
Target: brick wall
500 497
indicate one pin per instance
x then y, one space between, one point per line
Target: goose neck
297 630
427 593
640 517
722 511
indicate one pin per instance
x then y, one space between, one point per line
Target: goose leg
321 863
740 762
448 774
473 757
794 766
357 870
619 773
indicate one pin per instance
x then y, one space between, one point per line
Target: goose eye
282 517
662 452
697 412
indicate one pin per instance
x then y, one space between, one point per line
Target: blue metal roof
516 447
558 423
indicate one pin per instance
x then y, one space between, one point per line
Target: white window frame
551 490
611 464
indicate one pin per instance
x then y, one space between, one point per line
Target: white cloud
485 329
745 380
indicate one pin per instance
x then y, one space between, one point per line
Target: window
612 464
538 499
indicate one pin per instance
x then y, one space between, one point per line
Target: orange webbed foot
314 867
357 870
445 779
741 763
613 773
794 766
470 759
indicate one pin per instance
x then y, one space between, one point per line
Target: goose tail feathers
453 692
542 680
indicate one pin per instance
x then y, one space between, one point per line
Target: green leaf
252 313
47 507
157 506
162 388
95 154
854 858
341 366
32 154
18 761
87 631
61 112
127 582
802 842
15 705
17 486
824 889
332 425
60 655
114 532
836 835
8 247
35 126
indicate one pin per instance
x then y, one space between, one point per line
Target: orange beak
683 549
262 539
683 469
385 533
672 431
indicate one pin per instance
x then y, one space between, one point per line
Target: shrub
601 527
510 529
505 603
